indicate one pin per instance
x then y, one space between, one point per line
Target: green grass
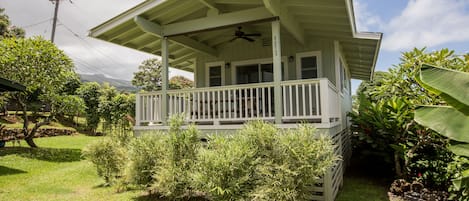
357 188
54 172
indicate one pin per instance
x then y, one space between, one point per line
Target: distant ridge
121 85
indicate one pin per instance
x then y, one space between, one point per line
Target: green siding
241 50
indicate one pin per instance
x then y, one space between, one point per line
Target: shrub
262 162
225 168
145 154
108 157
300 157
172 177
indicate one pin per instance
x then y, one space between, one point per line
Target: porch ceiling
202 26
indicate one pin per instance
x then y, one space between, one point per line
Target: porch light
291 59
227 65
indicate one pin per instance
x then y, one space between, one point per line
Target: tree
6 29
105 108
40 66
180 82
90 93
448 120
383 116
149 75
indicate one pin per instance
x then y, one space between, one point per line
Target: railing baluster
290 95
317 98
303 99
229 103
297 101
310 99
203 105
257 102
285 112
245 103
269 102
263 101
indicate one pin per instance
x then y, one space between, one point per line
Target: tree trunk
28 136
397 163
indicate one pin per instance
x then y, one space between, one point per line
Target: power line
37 23
90 45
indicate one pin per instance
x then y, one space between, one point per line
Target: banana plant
450 120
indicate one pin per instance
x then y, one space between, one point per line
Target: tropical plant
146 153
90 93
40 66
7 30
172 179
149 75
383 125
180 82
449 120
108 156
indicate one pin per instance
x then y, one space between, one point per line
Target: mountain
121 85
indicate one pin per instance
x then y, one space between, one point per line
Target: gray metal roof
330 19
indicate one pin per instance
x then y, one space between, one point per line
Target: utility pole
54 24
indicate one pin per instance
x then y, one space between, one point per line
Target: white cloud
365 20
428 23
75 19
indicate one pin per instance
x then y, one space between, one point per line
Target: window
215 74
308 65
256 71
343 77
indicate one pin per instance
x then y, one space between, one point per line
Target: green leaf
451 85
444 120
460 149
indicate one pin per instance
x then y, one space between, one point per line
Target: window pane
309 67
215 71
267 72
214 76
215 82
306 74
309 62
247 74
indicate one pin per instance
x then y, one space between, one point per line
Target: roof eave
95 32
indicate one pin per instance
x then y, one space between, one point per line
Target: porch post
164 80
277 61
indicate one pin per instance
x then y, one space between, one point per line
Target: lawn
57 172
54 172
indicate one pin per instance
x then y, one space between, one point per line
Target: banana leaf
445 120
451 85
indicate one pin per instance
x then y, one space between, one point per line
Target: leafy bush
449 120
262 162
172 178
109 158
225 168
299 158
145 154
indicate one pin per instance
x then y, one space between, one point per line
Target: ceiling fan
240 34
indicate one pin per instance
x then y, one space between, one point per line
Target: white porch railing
302 100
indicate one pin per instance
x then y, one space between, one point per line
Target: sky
406 24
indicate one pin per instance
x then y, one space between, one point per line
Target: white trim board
300 55
235 64
207 72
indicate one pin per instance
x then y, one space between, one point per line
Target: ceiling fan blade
253 34
248 39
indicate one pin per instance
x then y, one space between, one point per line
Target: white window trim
346 76
207 72
308 54
235 65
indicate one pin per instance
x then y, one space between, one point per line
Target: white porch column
164 79
277 61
